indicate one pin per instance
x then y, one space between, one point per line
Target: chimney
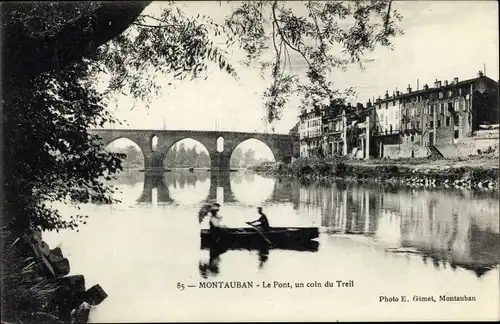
437 84
397 93
445 83
480 74
426 86
386 94
378 99
409 88
455 80
369 103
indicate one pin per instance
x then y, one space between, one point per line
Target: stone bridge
280 144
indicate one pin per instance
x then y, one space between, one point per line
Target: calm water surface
389 242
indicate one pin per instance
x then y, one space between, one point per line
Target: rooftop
436 88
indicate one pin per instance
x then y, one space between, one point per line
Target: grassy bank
27 296
475 172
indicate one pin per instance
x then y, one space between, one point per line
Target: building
349 129
310 131
437 118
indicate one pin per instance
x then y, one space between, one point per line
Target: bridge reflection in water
184 179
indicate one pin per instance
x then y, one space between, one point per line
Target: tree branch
388 15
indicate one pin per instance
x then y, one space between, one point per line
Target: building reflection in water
456 229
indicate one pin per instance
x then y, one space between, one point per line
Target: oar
261 234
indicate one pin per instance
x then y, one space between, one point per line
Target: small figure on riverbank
262 222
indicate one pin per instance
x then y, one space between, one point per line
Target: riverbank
481 172
37 287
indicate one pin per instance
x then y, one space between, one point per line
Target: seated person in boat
262 222
215 226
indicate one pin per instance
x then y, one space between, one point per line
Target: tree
172 156
192 156
249 157
134 156
236 158
204 160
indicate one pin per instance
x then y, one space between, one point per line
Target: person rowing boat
262 222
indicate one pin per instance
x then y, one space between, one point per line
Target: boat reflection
212 267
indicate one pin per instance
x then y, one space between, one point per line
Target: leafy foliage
155 46
324 35
51 155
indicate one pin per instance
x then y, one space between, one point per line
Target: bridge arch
187 152
251 149
134 152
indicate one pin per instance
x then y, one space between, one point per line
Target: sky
442 40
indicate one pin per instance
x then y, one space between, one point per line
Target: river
386 242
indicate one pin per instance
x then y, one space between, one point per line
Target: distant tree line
180 156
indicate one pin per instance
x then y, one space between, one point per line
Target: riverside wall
422 176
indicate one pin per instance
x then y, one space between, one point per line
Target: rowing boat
280 237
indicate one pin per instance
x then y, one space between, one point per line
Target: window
456 133
412 138
438 123
418 124
431 124
442 108
386 120
386 105
441 95
450 106
456 120
393 103
447 121
432 110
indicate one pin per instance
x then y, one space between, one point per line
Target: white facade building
388 114
309 131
